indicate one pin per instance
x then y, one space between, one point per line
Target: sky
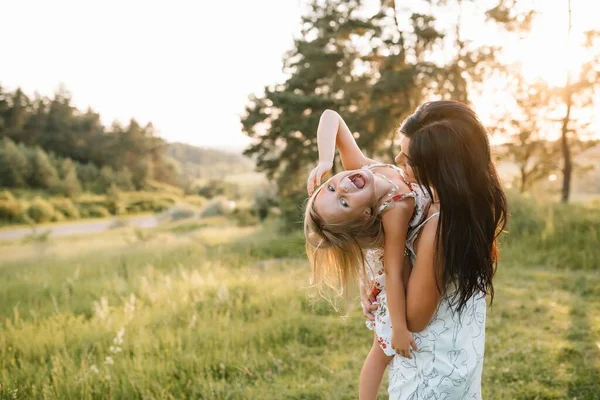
186 66
189 66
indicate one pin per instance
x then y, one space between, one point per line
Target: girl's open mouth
358 180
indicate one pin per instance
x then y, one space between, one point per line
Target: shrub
40 210
95 211
245 217
65 207
6 195
12 211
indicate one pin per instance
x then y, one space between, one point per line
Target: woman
445 148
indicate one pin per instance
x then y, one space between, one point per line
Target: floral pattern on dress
375 269
449 361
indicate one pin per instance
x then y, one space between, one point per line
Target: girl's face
346 196
404 161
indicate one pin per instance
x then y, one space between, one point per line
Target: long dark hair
450 152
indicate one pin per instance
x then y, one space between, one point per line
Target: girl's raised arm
331 133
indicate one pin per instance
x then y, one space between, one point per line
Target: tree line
47 143
376 67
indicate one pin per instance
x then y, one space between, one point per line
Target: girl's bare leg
372 372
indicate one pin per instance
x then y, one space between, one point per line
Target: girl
347 216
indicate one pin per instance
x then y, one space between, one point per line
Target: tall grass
564 236
217 311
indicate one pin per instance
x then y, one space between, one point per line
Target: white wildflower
101 308
130 304
115 349
94 369
119 338
118 342
109 360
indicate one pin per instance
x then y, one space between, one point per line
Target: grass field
214 311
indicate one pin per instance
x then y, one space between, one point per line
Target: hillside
203 163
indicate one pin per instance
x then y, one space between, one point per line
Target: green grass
221 312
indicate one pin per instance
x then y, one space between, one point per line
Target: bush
40 210
245 217
95 211
149 204
6 195
65 207
12 211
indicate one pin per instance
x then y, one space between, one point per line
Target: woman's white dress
449 361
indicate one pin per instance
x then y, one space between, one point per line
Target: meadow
208 309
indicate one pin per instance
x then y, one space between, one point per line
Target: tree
367 67
578 92
13 165
16 114
525 127
142 172
43 173
69 182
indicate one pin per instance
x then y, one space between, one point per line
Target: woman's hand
314 179
367 302
402 341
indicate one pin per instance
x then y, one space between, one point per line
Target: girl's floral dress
382 325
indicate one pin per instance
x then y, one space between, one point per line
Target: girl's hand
367 302
314 179
402 341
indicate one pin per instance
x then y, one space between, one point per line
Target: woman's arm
422 294
395 225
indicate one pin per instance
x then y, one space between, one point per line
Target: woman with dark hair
445 149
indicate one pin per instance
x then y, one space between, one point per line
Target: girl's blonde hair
336 250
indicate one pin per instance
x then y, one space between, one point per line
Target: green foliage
215 188
69 182
370 70
6 195
94 211
556 235
43 173
65 207
13 165
80 146
12 211
148 203
245 217
40 210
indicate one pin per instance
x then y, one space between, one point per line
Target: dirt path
146 221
